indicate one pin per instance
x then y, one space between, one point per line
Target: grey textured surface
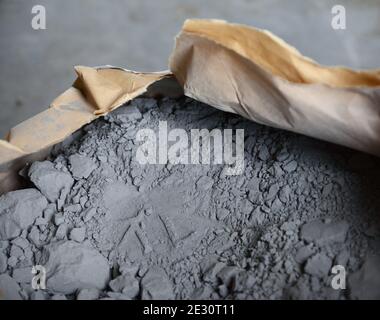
127 230
36 66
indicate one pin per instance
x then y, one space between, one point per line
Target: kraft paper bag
235 68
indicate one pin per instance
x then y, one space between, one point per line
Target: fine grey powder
105 226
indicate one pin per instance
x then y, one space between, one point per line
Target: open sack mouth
104 226
205 181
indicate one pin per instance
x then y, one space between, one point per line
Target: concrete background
37 65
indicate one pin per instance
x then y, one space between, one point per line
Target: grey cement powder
106 227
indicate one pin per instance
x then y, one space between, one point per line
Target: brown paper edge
257 75
94 93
